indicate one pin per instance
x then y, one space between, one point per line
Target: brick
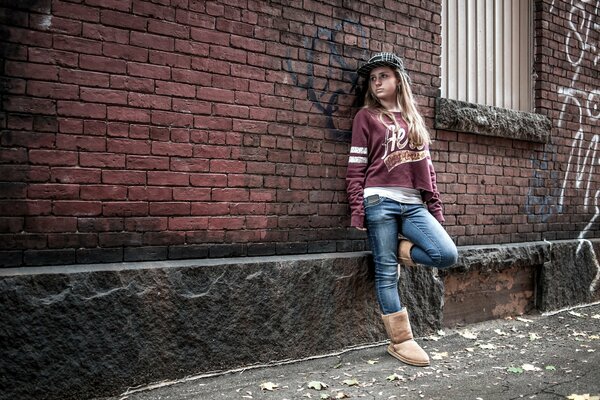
99 224
52 90
124 177
96 128
128 146
87 78
170 59
163 238
227 166
149 71
11 258
123 20
149 253
31 140
50 224
77 208
163 178
172 149
54 57
147 162
77 44
14 190
212 208
195 19
170 208
188 223
53 157
29 105
105 34
14 155
188 252
28 37
82 12
232 195
75 175
152 101
191 194
49 257
168 29
150 193
141 85
175 89
31 71
191 47
107 96
93 256
80 109
102 160
146 224
125 209
24 173
208 180
115 239
151 41
166 118
216 95
102 64
148 9
234 111
189 165
11 224
76 142
191 106
127 114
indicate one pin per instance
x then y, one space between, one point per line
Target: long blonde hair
418 135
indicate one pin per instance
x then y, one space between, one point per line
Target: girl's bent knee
449 258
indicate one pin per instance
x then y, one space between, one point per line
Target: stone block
460 116
571 275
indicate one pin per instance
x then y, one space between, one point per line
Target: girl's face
383 84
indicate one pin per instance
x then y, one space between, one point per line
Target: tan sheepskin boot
404 253
402 345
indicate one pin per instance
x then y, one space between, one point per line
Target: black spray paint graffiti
324 99
543 189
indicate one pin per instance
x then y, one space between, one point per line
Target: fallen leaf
596 316
582 397
439 356
594 337
350 382
372 362
467 334
515 370
317 385
341 395
469 349
487 346
268 386
325 396
394 377
533 336
529 367
500 332
550 368
523 319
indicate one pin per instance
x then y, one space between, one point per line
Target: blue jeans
386 219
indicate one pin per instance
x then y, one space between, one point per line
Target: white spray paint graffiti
583 159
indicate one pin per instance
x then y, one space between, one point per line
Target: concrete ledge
460 116
76 332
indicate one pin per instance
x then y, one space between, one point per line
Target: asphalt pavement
535 356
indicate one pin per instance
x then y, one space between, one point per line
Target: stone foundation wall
76 332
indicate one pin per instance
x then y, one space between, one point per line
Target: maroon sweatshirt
381 156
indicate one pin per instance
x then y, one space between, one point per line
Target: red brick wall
138 130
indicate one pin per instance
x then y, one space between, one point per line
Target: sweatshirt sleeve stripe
358 150
357 160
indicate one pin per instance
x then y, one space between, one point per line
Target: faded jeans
433 247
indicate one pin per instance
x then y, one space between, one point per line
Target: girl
391 187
